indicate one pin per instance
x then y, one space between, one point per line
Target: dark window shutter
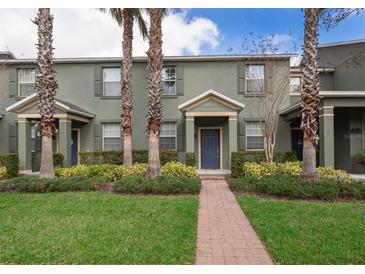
242 142
268 77
180 80
13 138
97 137
241 78
38 144
13 82
180 136
98 81
241 135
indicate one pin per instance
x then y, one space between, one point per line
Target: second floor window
294 84
26 82
168 135
111 81
255 79
111 136
254 135
169 80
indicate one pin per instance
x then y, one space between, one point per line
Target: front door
74 147
210 149
297 143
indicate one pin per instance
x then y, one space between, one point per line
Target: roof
166 58
213 94
342 93
342 43
7 55
66 106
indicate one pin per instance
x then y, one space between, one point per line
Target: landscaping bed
97 228
303 232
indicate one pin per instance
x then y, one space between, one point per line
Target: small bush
11 163
296 188
84 171
360 158
290 156
160 185
237 160
3 173
58 159
177 169
190 159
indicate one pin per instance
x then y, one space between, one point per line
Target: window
254 135
169 81
294 84
255 79
111 81
168 135
26 82
111 136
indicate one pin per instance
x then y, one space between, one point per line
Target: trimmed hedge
161 185
34 184
58 159
3 173
11 163
190 159
290 156
240 157
116 157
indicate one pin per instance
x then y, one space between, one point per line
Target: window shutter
241 78
97 137
268 77
241 135
98 81
180 80
13 138
13 82
180 136
38 144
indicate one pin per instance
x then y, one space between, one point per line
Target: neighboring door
210 149
297 143
74 147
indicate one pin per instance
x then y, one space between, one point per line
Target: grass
97 228
303 232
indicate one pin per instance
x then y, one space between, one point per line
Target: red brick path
225 236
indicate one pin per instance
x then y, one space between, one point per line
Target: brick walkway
225 236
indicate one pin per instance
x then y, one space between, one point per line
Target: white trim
211 92
22 101
220 145
175 93
102 134
119 81
341 93
18 84
78 143
254 93
254 149
169 136
357 41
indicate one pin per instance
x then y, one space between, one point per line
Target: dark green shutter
180 136
98 81
268 77
97 137
241 78
38 144
13 82
241 135
13 138
180 80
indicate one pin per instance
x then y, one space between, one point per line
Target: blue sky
235 24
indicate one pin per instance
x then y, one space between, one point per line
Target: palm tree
154 114
309 93
45 87
125 18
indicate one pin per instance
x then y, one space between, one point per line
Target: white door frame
220 145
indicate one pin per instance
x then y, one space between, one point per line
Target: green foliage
360 158
296 188
237 160
11 163
58 159
3 173
160 185
177 169
116 157
190 159
290 156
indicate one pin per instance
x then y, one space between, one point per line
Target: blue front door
210 149
297 143
74 147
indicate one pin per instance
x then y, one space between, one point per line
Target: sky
89 33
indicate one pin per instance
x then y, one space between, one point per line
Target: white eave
342 94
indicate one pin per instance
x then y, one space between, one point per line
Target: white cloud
87 32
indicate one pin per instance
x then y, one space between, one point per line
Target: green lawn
97 228
300 232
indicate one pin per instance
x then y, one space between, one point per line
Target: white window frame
103 134
169 136
162 80
262 135
22 82
254 78
299 88
119 81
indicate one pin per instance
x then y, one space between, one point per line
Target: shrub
237 160
190 159
160 185
296 188
177 169
58 159
360 158
11 163
84 171
290 156
3 173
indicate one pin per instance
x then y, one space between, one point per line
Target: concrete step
212 177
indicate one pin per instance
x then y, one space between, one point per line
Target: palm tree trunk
46 89
154 114
309 94
127 94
